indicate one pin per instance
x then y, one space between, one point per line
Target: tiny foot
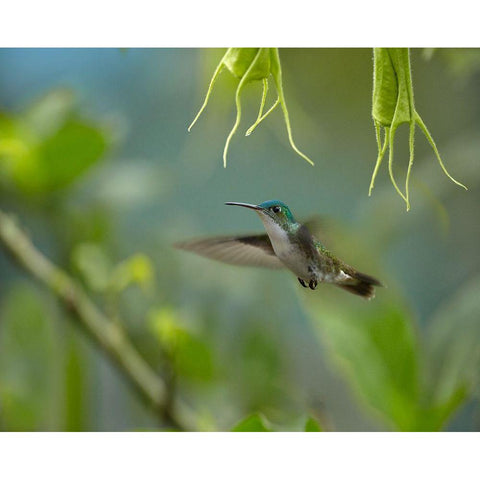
313 284
302 282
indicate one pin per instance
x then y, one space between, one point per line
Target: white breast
278 237
282 247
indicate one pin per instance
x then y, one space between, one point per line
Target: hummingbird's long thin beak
247 205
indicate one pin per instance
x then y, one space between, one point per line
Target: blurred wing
252 250
319 227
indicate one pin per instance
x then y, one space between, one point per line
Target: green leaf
452 354
68 153
414 387
253 423
138 269
376 350
48 147
97 270
312 425
191 357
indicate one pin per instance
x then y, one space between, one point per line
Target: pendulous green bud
254 60
249 65
392 106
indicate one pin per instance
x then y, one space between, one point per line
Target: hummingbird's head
271 211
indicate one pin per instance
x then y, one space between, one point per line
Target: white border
239 455
218 23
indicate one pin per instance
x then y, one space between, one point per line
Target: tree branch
108 335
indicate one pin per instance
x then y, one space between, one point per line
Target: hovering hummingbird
287 244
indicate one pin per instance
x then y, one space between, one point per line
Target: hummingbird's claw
302 282
313 284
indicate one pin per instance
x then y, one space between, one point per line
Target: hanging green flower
252 64
392 106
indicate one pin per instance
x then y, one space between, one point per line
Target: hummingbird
286 244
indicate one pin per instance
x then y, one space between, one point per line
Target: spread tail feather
361 284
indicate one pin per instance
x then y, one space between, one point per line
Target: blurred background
97 167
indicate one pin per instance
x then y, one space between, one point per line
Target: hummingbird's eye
276 209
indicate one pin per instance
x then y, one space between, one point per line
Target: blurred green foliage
191 358
237 343
377 351
253 423
27 355
48 146
387 360
101 275
451 353
312 425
